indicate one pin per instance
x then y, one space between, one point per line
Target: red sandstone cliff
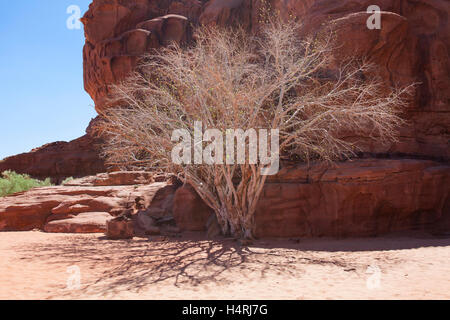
59 160
412 46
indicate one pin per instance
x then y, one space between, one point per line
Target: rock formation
401 186
118 178
189 210
412 46
59 160
78 209
360 198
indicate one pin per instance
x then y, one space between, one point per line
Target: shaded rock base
355 198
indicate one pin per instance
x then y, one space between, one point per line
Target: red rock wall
355 199
361 198
119 32
364 197
412 46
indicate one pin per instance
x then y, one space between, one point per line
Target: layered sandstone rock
59 160
117 178
355 198
358 198
412 46
87 222
189 210
77 209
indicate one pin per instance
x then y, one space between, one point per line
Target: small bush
12 182
67 180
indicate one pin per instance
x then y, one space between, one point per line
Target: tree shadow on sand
135 264
140 263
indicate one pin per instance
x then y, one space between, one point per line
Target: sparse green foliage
12 182
67 180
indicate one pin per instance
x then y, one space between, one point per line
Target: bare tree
231 79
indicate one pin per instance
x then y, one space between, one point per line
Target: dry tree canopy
230 79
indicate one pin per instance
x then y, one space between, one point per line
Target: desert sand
36 265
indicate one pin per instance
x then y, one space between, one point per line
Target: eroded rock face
412 46
358 198
355 198
74 209
117 178
189 210
59 160
119 32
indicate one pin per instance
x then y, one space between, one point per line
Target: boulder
189 210
87 222
146 224
119 229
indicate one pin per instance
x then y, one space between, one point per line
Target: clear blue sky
42 98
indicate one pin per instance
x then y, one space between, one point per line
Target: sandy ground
36 265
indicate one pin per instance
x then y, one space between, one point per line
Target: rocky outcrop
59 160
117 178
189 210
362 197
77 209
358 198
412 46
119 33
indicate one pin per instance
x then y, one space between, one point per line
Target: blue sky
42 98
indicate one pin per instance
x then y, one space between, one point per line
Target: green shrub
67 180
12 182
